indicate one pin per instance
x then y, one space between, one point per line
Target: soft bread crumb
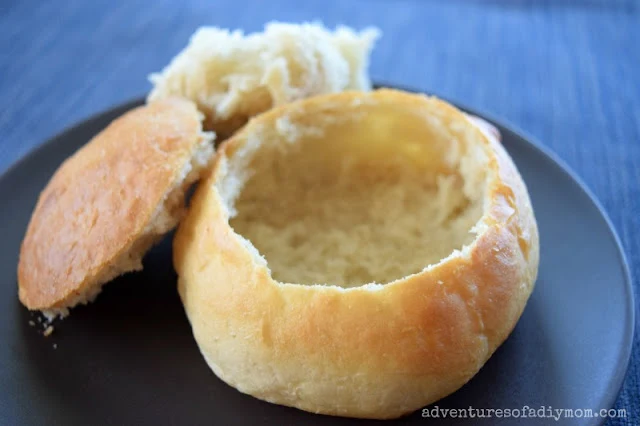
356 230
232 76
326 216
48 331
166 217
51 314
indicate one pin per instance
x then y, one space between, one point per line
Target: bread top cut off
109 202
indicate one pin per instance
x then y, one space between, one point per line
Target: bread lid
109 203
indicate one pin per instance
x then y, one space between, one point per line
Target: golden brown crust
358 352
101 200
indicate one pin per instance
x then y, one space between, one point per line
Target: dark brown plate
129 358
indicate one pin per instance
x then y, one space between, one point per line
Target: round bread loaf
356 254
109 203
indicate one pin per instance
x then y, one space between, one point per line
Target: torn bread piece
233 77
109 203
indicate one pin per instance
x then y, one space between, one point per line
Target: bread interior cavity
370 196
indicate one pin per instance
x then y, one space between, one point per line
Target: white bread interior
232 76
329 214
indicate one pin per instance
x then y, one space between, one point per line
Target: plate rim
615 386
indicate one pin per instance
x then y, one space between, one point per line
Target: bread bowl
356 254
108 203
233 76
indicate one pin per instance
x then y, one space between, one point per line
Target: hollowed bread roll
108 203
356 254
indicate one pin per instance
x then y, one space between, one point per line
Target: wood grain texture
565 71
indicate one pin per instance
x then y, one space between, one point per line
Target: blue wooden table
565 71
